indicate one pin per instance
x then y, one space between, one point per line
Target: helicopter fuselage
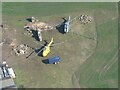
66 26
46 51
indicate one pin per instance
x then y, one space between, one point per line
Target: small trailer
11 73
53 60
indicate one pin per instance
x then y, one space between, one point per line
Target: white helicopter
66 24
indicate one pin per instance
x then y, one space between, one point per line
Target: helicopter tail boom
50 42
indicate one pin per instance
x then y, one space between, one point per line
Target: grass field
85 62
102 67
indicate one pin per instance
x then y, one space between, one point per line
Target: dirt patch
72 53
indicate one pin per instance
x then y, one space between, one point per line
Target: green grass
42 9
21 74
105 54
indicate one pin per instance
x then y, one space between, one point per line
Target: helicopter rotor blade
57 44
73 19
34 49
40 51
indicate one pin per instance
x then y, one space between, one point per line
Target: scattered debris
21 49
1 43
14 43
33 19
85 19
37 26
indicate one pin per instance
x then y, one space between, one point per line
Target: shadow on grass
40 53
37 50
45 61
35 35
29 19
41 48
60 27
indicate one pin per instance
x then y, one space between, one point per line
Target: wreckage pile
34 24
21 49
84 19
37 26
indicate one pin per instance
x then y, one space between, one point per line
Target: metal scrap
84 19
21 49
37 26
13 43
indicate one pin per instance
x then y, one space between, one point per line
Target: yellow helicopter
46 50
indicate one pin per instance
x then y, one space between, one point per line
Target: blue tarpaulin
53 60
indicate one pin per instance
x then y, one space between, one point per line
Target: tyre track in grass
74 76
92 74
108 65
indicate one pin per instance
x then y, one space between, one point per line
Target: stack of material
21 49
85 19
33 19
37 25
1 43
33 24
13 43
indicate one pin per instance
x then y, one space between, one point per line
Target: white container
11 72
